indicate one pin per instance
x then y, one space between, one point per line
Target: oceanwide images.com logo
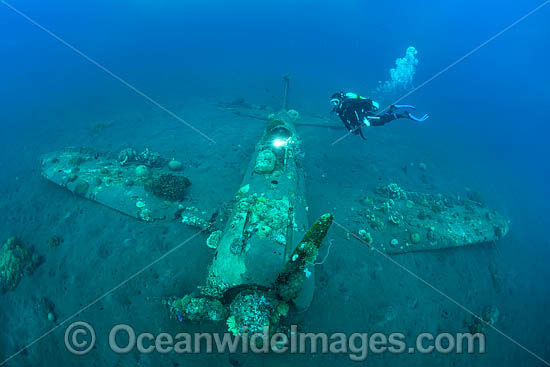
80 339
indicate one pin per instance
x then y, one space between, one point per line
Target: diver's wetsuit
356 111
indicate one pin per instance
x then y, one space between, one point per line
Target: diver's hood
336 99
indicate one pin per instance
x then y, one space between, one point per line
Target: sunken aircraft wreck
264 258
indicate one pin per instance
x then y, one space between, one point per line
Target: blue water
488 130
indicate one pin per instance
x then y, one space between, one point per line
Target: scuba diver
356 111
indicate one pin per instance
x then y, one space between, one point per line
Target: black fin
361 133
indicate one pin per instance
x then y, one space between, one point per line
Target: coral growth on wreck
169 186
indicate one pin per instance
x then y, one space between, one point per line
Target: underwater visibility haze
318 182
